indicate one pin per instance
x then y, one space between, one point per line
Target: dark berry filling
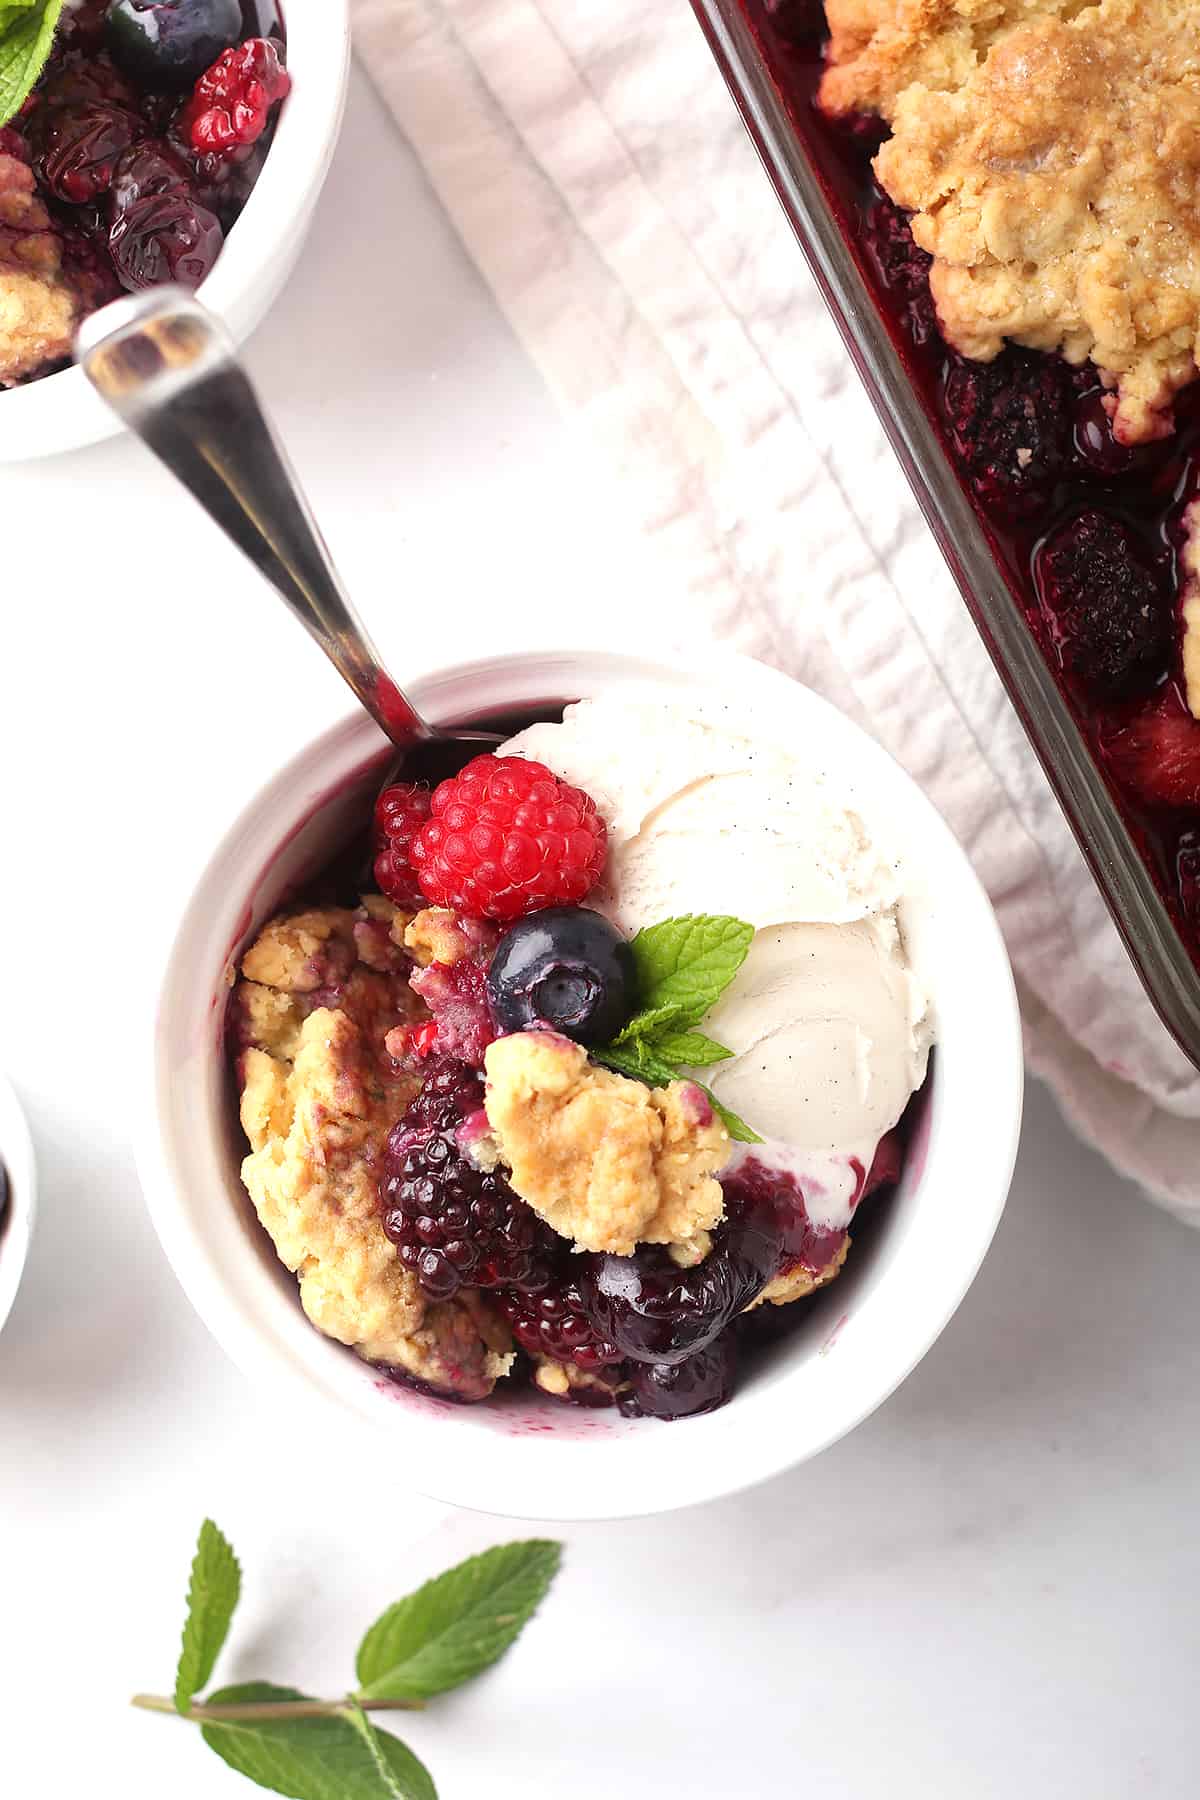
1108 616
681 1390
146 132
455 1224
1087 530
555 1323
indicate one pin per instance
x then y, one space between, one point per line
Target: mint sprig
27 30
683 967
448 1631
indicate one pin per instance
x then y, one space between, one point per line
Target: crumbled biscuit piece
38 307
798 1282
564 1379
319 1095
291 953
605 1161
1049 151
436 936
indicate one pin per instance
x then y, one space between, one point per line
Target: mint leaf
690 1049
737 1128
213 1591
315 1759
649 1022
637 1060
457 1625
376 1740
643 1064
688 963
26 35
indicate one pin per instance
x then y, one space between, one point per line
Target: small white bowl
16 1227
61 412
526 1456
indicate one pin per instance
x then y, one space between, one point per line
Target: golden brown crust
607 1162
37 305
319 1095
1050 154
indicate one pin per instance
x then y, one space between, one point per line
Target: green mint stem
249 1713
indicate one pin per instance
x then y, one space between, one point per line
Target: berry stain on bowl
130 160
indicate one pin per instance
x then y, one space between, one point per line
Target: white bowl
16 1229
61 412
531 1457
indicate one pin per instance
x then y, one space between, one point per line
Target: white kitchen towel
597 172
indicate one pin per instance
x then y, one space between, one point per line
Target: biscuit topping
608 1162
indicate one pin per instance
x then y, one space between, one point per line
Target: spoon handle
169 369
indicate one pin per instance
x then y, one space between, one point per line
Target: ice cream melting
828 1025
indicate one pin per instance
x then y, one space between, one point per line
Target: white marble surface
988 1590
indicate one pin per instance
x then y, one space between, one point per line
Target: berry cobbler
129 160
1021 182
588 1070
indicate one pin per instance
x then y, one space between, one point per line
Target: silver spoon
168 367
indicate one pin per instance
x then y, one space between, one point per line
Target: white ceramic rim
264 238
524 1481
16 1153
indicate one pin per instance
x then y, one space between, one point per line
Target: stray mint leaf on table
458 1624
213 1591
315 1759
26 34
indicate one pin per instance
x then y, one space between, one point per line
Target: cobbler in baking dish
1049 154
1021 182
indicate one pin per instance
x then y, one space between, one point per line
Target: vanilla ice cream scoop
828 1025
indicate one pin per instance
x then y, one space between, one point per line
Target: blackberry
653 1311
555 1323
1010 421
1104 605
456 1225
902 266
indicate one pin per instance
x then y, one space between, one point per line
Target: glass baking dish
773 90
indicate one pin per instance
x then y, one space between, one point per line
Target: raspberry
505 838
1158 753
1110 625
231 103
456 1225
456 995
554 1323
400 811
1010 421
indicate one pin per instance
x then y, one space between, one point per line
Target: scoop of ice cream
828 1025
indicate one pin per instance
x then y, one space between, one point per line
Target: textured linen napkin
597 172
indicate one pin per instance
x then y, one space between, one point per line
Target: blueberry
170 42
564 967
681 1390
